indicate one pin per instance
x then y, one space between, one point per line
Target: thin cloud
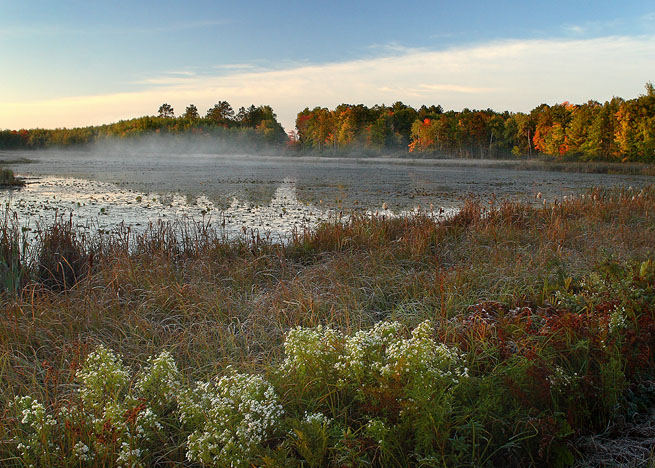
593 28
576 29
394 48
236 66
181 72
508 75
455 88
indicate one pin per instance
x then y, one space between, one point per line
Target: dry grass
219 302
215 303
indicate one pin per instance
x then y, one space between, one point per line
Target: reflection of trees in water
305 195
253 194
367 195
257 194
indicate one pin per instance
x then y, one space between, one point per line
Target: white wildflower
233 415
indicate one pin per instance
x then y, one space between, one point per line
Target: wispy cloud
181 72
393 48
236 66
514 75
454 88
576 29
594 28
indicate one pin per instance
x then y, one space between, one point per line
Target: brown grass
215 303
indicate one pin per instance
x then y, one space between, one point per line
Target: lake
269 194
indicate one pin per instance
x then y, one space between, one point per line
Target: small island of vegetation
9 179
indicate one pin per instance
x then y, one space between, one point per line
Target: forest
248 127
617 130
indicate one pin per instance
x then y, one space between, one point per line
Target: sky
77 63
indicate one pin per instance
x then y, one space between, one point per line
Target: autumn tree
578 128
423 136
600 142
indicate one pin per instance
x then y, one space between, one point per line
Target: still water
267 194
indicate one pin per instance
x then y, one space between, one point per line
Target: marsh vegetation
506 335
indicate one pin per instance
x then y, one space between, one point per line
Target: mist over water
108 185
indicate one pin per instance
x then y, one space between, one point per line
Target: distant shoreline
590 167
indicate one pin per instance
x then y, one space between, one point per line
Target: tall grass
215 303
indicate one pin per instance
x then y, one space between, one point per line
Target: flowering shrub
312 352
232 417
121 427
103 423
364 353
36 446
311 436
401 383
102 379
160 382
379 356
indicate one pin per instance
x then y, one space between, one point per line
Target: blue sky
71 63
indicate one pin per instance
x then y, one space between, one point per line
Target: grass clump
500 337
13 261
62 256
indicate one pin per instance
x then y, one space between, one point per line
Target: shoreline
534 164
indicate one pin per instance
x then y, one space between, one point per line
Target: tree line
617 130
255 125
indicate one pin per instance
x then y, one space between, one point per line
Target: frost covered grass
498 337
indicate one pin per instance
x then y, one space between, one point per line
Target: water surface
269 194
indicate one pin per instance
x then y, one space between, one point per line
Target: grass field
507 335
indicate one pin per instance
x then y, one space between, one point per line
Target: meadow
510 334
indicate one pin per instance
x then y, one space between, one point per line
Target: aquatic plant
13 256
